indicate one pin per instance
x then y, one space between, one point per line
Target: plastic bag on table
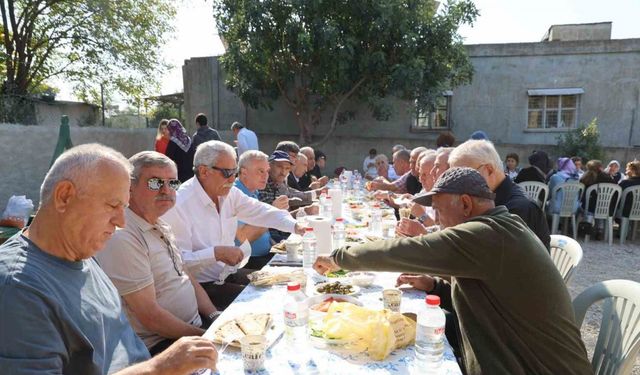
18 208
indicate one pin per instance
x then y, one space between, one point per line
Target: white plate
355 289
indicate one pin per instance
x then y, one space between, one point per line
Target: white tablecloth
321 361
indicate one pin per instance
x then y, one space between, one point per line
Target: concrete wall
80 114
27 152
205 92
496 102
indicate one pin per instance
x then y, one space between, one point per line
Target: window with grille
552 111
439 119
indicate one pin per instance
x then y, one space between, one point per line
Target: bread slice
254 324
230 332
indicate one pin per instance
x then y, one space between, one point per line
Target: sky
500 21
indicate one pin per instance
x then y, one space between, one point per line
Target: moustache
164 197
227 186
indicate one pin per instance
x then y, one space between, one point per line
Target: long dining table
281 359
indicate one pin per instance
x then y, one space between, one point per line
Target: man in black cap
492 258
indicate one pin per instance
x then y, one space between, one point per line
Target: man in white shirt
245 138
205 220
369 165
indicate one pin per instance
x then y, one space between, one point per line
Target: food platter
230 331
336 287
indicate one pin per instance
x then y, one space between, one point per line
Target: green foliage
163 111
88 42
318 54
584 141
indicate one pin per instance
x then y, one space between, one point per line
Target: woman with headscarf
539 170
162 137
613 170
180 150
567 172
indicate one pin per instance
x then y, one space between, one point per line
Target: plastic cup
391 298
389 228
253 349
292 250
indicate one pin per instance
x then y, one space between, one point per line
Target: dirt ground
601 262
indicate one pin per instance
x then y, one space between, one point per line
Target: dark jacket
204 134
513 197
530 173
631 181
413 185
183 160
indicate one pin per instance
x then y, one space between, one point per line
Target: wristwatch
214 315
423 218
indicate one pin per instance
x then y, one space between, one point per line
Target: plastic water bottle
430 334
339 233
309 246
327 207
301 218
296 316
375 227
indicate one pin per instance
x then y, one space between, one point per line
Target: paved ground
600 263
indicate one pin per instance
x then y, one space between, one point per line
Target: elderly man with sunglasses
162 301
205 221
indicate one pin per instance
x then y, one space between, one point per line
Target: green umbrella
64 139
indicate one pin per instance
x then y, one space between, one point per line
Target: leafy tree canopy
318 54
87 42
583 141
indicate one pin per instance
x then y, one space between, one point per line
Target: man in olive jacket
514 310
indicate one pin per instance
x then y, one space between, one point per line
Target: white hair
429 155
250 156
80 166
479 150
146 159
307 151
397 148
209 152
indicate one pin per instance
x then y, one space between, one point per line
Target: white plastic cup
392 298
253 349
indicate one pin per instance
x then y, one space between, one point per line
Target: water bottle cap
328 197
293 286
308 229
376 205
339 219
432 300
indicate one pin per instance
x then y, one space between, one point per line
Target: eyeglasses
226 173
155 183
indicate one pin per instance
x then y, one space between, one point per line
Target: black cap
458 181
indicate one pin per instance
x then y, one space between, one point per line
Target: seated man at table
280 166
402 166
308 181
298 170
162 301
59 313
514 309
252 176
205 220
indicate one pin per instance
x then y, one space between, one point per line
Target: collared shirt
204 134
262 245
247 140
273 190
199 226
143 254
513 197
401 183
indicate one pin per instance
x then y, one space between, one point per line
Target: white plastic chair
571 192
566 254
533 188
605 195
634 214
618 342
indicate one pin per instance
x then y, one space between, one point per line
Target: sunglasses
226 173
155 183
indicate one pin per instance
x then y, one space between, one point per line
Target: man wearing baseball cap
492 258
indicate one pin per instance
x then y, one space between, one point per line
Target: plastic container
327 207
430 335
309 248
375 227
339 233
296 316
